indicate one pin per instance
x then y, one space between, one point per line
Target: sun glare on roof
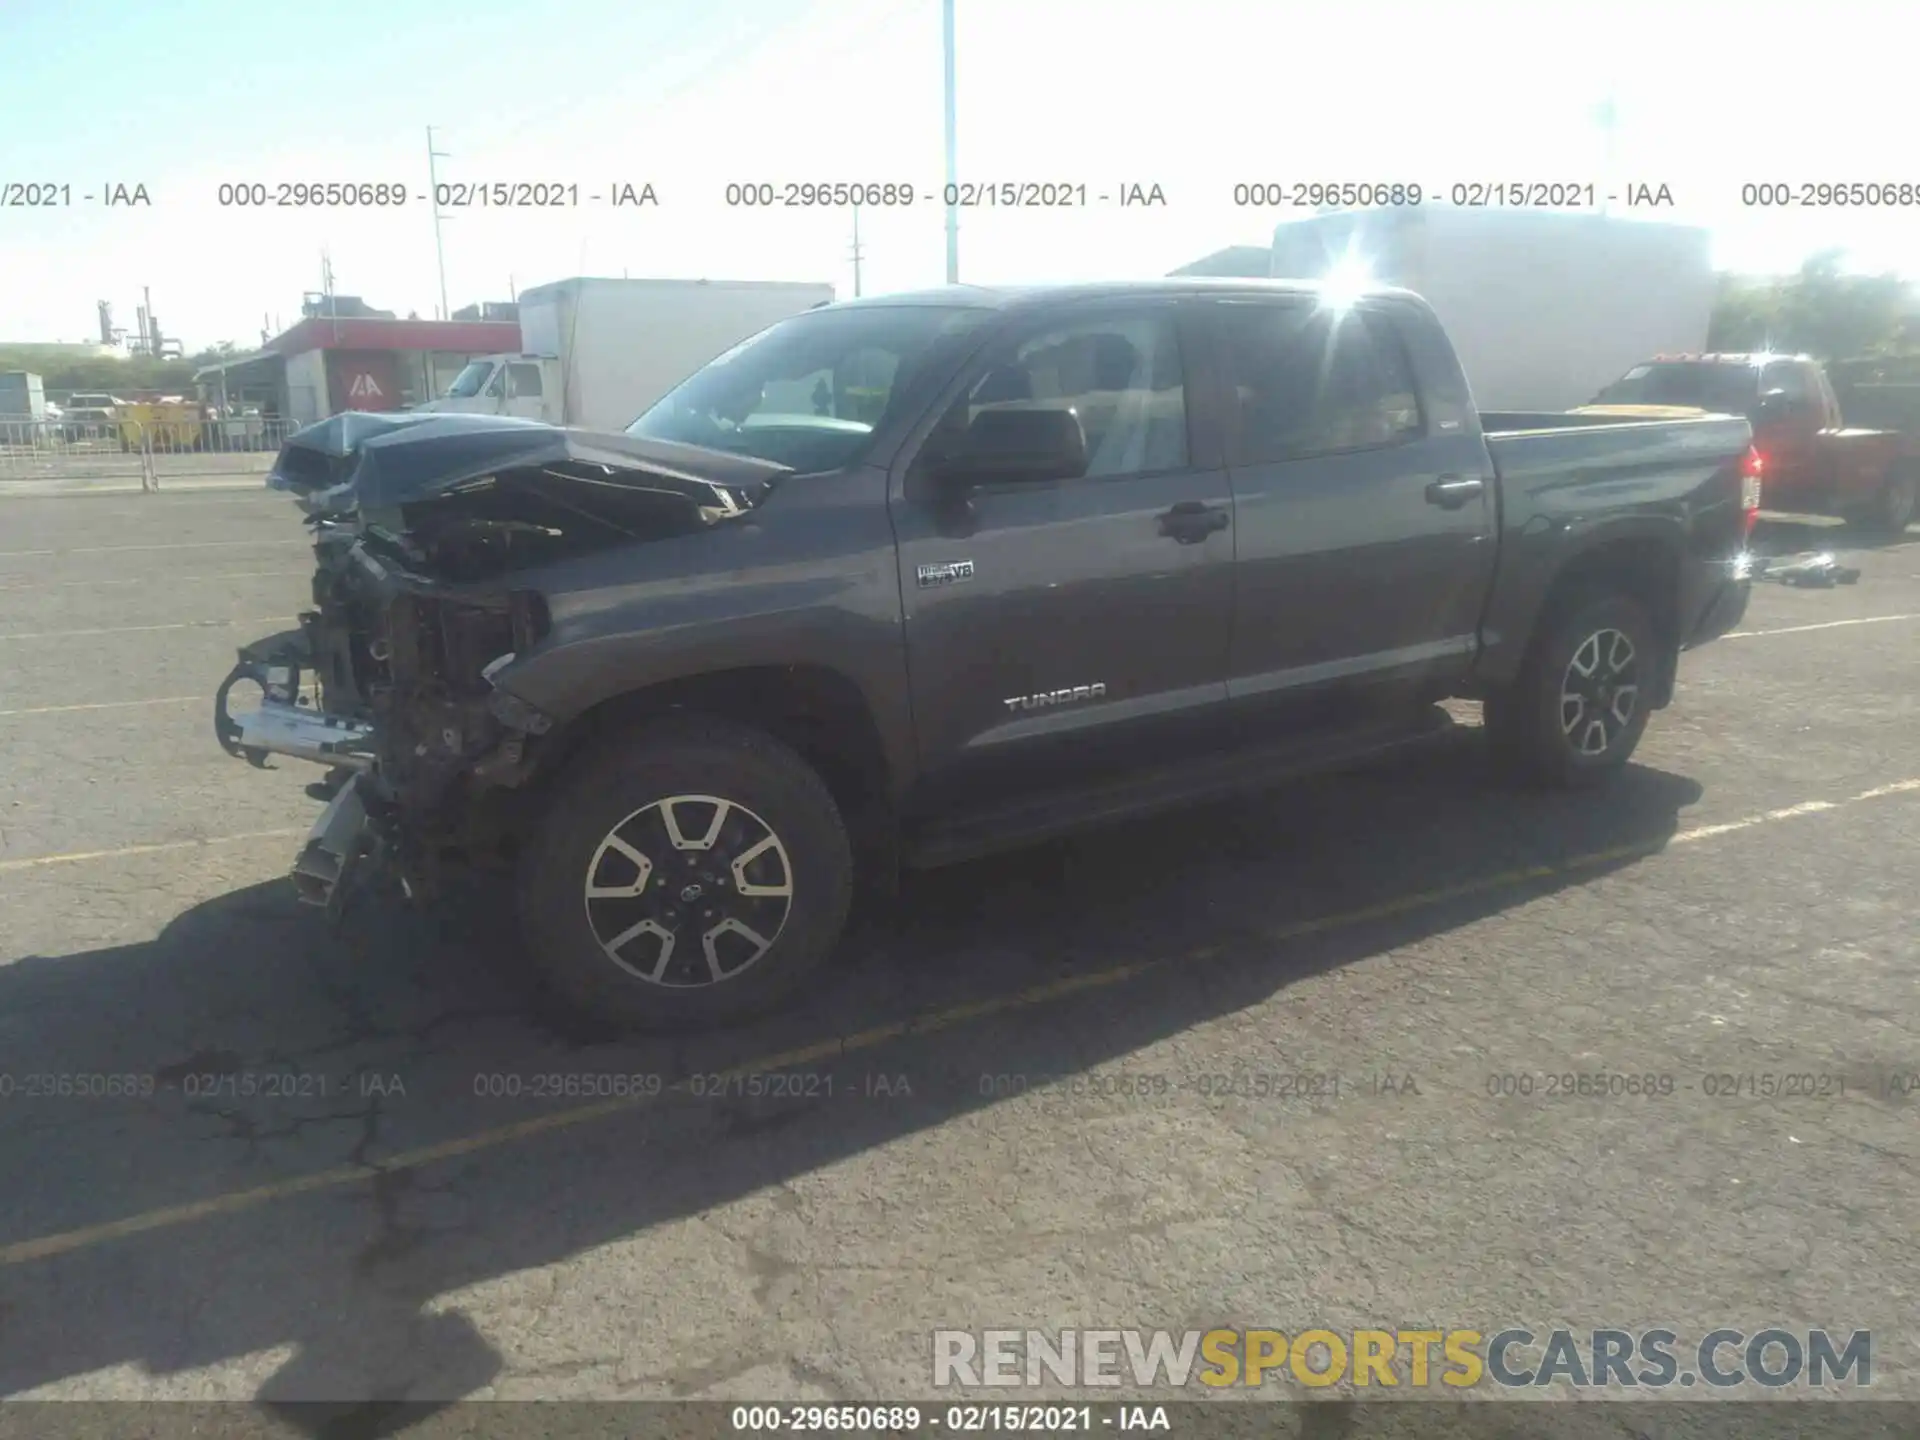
1346 281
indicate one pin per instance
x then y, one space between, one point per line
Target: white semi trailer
1544 307
599 352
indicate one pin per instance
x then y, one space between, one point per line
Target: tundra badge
1072 695
948 573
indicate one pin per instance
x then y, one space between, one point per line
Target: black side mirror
1018 445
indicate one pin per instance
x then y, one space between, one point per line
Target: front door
1366 525
1789 438
525 395
1060 630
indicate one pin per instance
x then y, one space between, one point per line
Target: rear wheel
1894 507
1582 700
691 876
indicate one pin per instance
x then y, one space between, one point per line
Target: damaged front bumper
282 724
388 686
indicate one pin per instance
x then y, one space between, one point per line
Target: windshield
1705 385
810 391
468 382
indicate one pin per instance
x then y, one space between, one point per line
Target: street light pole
857 252
1609 117
953 174
439 250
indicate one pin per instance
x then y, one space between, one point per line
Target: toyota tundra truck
905 580
1812 461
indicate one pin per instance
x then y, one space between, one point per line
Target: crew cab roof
1012 297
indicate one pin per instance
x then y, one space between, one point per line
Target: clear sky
688 95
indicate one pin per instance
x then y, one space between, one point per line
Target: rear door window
1309 380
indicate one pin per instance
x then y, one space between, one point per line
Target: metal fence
151 451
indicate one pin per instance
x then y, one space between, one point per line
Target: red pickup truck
1810 461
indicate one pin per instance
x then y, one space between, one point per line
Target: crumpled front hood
378 462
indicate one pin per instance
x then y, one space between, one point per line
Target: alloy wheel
1599 692
688 891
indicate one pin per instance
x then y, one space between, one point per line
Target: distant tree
1746 315
63 371
1819 310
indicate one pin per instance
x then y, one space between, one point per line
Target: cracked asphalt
1042 1090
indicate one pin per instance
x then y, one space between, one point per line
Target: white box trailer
1544 307
597 353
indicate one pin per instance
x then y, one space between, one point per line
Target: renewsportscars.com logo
1412 1358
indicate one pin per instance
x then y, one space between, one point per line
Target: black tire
647 789
1894 507
1536 736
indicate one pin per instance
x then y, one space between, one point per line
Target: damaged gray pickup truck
903 581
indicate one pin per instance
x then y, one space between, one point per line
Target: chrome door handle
1190 521
1450 492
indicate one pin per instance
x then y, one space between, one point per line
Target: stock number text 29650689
1311 193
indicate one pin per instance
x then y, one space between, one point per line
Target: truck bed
1507 422
1680 478
1561 466
1894 407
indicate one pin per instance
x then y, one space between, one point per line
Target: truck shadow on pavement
411 1031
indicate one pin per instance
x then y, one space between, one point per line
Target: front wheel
691 876
1582 700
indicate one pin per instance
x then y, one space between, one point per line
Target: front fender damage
431 536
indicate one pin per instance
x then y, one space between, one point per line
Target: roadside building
22 396
326 364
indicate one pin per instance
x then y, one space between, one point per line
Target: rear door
1365 507
1065 630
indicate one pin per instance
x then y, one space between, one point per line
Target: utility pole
439 249
856 252
326 292
1609 117
953 174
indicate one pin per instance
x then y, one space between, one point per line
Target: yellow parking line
73 857
168 1216
1823 625
102 705
175 545
1899 787
1707 832
144 629
159 580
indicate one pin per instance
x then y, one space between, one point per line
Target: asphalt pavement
248 1156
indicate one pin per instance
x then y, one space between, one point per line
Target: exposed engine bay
421 599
